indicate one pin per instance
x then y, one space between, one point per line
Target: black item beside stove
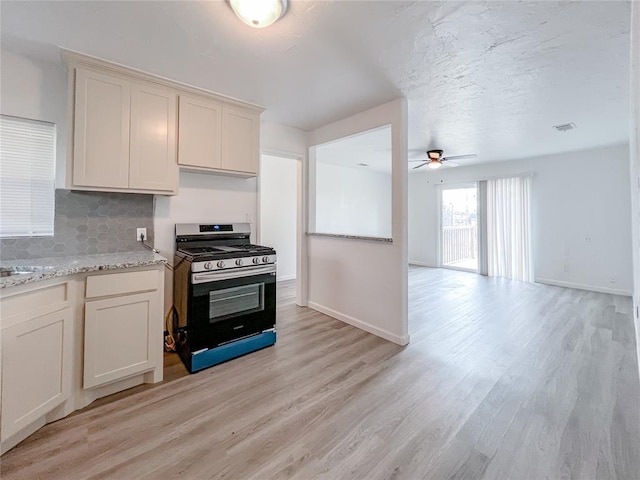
224 294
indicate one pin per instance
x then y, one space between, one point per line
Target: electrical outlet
140 232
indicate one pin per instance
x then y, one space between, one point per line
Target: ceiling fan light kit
435 159
259 13
435 154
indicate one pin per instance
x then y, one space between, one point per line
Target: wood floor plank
501 380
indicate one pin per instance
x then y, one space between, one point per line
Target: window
459 227
27 177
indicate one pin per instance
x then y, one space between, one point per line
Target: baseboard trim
400 340
287 277
582 286
421 264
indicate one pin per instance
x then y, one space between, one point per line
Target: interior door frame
301 220
454 186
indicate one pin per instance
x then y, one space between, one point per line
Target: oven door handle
231 274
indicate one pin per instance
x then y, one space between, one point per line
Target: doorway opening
458 233
279 211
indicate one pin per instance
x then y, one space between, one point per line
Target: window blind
27 177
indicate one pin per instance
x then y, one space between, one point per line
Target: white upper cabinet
132 130
218 137
101 131
240 139
153 139
200 132
124 135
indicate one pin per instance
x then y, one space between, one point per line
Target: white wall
31 88
581 210
352 201
364 283
422 221
635 161
276 138
278 210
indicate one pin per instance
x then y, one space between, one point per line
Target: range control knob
265 259
239 262
256 260
208 266
220 264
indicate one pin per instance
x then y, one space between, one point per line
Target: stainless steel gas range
224 294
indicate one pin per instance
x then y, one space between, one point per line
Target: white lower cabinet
119 337
68 341
36 369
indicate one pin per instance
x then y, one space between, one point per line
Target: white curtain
509 228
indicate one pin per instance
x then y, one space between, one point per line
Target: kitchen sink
11 271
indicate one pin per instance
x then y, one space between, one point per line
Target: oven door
228 305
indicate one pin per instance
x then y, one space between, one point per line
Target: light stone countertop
45 268
352 237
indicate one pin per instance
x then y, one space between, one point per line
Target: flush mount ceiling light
259 13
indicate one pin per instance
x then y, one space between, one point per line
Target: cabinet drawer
121 283
37 302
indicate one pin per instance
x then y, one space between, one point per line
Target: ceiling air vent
565 127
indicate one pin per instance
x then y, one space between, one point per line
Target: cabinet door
36 369
123 336
199 129
240 140
101 131
153 139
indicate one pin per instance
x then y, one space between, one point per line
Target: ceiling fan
435 159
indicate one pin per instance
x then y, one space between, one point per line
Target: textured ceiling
481 77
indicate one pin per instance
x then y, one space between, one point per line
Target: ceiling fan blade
419 160
449 163
414 168
461 157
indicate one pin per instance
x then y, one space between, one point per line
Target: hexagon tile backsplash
88 223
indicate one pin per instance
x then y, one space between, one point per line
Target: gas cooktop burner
213 251
220 247
252 248
200 250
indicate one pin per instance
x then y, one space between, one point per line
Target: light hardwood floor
502 380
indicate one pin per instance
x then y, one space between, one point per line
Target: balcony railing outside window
459 246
